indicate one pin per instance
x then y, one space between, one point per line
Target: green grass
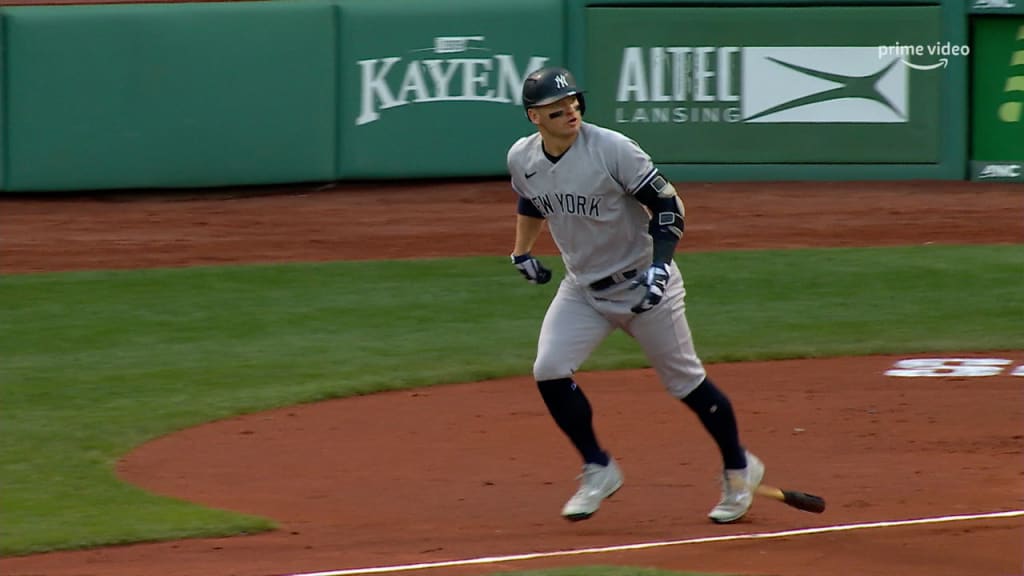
95 363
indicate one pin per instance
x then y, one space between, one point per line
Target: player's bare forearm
527 231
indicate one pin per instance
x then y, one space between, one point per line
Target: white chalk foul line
664 543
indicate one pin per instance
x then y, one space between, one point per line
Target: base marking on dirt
666 543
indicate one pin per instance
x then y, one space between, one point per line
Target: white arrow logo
942 63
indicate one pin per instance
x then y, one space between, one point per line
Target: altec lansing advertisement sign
770 85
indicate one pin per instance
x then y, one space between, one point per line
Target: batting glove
655 280
531 269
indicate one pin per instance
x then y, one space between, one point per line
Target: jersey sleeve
630 164
526 208
512 164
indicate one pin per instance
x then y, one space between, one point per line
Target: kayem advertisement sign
440 93
767 85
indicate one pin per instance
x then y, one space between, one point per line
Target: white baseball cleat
738 488
596 483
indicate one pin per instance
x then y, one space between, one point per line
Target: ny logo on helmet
560 81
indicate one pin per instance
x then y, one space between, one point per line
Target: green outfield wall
142 96
4 149
168 95
997 87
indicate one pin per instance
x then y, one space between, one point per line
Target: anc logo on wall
779 84
994 4
453 69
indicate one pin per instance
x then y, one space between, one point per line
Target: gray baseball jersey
586 199
601 230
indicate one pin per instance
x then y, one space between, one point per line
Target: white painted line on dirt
665 543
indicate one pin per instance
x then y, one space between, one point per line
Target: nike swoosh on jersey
531 174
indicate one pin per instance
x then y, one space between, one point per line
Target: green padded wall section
3 103
185 95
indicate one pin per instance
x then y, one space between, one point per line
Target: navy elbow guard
667 214
668 224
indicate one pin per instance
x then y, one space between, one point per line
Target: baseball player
616 221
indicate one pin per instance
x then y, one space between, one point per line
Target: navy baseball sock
716 414
571 411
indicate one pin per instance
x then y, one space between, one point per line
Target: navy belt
609 281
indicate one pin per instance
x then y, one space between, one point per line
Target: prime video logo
940 50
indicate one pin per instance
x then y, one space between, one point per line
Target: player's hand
655 280
531 269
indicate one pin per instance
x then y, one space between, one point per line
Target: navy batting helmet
548 85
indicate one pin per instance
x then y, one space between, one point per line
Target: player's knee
550 367
682 387
706 395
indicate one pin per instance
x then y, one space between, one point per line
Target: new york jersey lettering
579 205
543 203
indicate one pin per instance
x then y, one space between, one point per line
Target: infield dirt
477 469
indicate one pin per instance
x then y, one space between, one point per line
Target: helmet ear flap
583 103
